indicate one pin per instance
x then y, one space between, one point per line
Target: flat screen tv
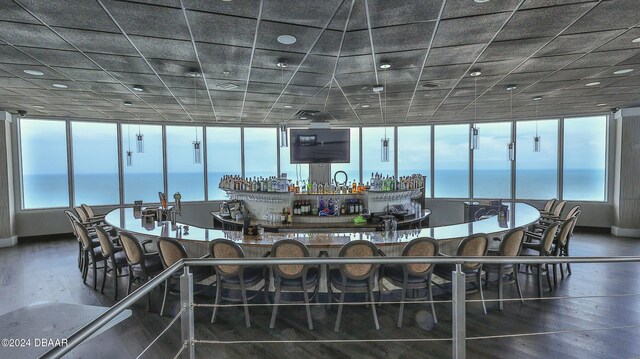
319 146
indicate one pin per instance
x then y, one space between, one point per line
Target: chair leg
433 307
246 306
500 288
85 267
217 301
539 276
276 302
104 274
164 297
95 273
337 326
373 305
115 282
516 270
566 254
548 277
130 280
479 279
402 300
306 304
555 276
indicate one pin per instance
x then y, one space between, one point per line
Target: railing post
186 303
459 325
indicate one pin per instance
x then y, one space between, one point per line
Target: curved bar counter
196 238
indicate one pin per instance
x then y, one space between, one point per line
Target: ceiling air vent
227 86
431 84
305 114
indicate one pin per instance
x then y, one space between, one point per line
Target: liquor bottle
330 205
283 216
289 217
296 188
320 204
314 188
353 187
304 187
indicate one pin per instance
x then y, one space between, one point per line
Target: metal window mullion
361 156
242 170
18 159
560 189
395 151
70 172
278 169
515 159
165 176
432 170
119 133
204 165
471 167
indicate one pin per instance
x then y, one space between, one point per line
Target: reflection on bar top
520 214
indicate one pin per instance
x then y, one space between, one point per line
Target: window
451 161
585 149
183 175
95 163
295 172
537 172
223 157
372 153
414 153
43 146
491 165
353 167
260 153
144 178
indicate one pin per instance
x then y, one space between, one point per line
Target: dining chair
475 245
114 260
143 265
546 209
235 277
412 276
510 246
171 251
91 254
544 249
91 215
354 278
293 278
73 219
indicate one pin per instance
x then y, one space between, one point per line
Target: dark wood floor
47 272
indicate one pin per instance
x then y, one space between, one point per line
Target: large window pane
353 167
585 149
223 157
491 165
371 151
295 172
95 163
451 161
43 146
537 172
183 175
143 179
414 153
260 153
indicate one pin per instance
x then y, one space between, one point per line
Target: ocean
44 191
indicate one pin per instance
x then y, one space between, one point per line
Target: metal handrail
85 332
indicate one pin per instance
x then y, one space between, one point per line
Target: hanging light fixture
536 138
284 140
129 153
473 134
511 147
384 142
140 140
197 150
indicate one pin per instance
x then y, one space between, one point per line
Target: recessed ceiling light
475 73
430 84
596 83
365 106
38 106
287 39
194 73
419 114
385 66
601 104
637 39
624 71
481 1
283 64
137 88
127 103
227 86
33 72
537 98
288 106
511 87
226 73
378 88
60 86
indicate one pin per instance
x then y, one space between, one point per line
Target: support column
8 236
626 193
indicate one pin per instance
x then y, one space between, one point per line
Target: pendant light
197 150
384 142
536 138
129 153
140 140
473 134
284 140
511 147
